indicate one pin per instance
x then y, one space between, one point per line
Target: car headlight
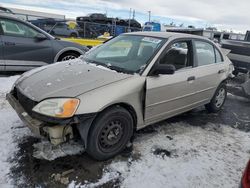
58 107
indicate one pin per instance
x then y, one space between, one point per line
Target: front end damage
55 130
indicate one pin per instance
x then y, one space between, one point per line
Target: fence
93 30
82 29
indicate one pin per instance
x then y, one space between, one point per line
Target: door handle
9 43
191 78
221 71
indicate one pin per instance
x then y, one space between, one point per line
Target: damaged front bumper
34 124
57 134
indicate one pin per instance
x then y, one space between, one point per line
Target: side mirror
163 69
40 37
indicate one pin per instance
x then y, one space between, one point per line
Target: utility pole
149 15
133 14
130 10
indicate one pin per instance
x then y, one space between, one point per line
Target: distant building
211 34
31 15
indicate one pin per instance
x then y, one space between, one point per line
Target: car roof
166 35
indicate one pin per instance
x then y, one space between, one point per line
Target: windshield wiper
109 66
94 62
119 69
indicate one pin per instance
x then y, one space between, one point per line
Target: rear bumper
34 125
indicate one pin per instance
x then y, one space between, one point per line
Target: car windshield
126 53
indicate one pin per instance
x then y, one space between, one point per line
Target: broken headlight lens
60 107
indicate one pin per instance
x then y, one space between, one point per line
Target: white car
131 81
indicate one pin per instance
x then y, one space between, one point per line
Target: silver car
129 82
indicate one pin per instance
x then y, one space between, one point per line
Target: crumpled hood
66 79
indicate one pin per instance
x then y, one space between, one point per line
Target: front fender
129 91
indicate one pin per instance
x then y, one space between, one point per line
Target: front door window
179 55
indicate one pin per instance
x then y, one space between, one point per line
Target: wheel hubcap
68 57
220 97
111 134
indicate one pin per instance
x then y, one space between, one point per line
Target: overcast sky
224 14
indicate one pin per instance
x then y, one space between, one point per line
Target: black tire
218 99
110 133
68 55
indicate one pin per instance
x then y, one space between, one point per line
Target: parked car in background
129 82
94 25
132 23
56 27
62 29
245 181
94 17
24 46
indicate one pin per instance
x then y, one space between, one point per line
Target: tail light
246 177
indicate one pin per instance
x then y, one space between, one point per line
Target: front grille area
26 102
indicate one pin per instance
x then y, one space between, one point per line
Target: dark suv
95 17
24 46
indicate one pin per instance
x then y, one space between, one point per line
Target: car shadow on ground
29 171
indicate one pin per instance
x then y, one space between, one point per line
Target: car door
210 69
21 49
168 95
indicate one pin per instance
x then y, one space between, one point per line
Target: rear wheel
218 99
110 133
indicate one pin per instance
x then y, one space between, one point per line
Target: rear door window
218 56
205 53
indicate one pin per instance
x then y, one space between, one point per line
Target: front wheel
218 99
110 133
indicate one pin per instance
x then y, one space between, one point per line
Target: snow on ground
177 155
181 155
11 129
